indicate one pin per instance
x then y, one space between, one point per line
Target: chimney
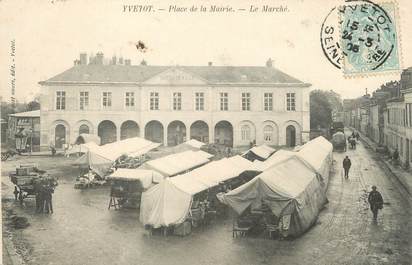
99 58
127 62
269 63
120 60
83 58
210 63
114 60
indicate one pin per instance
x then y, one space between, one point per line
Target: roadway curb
13 257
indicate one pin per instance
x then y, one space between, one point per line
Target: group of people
44 189
375 199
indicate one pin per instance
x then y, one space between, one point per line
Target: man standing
375 201
346 166
48 199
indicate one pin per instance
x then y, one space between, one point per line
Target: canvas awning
101 158
174 164
146 177
81 148
275 159
319 154
291 188
261 152
169 202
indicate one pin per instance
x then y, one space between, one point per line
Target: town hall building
229 105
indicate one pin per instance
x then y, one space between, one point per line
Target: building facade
171 104
398 120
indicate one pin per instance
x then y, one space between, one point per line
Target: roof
27 114
178 163
146 177
263 151
138 73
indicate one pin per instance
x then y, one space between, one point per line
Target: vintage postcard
206 132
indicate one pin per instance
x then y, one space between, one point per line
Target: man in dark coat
375 201
48 196
346 166
38 188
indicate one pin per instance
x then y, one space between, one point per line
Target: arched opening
268 134
84 129
154 131
224 133
107 132
129 129
59 136
245 133
199 130
291 136
176 133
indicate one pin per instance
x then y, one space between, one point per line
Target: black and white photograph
206 132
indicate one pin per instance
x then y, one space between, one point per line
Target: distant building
27 123
398 119
169 104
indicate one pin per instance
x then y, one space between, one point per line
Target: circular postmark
360 36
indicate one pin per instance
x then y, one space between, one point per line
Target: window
107 99
245 130
60 100
246 101
84 100
84 129
177 101
200 101
290 102
129 99
224 101
268 133
154 101
268 101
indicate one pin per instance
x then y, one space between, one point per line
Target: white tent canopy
318 153
275 159
170 201
81 148
178 163
194 143
263 151
291 189
101 158
146 177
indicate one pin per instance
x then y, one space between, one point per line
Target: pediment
175 76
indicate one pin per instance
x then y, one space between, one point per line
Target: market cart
25 179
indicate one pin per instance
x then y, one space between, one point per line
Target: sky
49 35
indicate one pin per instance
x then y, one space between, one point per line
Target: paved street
83 231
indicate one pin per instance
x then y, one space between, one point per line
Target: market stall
127 186
101 158
285 199
260 153
179 163
186 199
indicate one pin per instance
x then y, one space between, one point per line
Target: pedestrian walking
357 136
346 166
376 202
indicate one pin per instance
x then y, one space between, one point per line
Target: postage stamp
360 37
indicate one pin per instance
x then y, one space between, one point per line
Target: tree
33 105
322 103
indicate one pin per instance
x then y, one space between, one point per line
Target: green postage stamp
367 40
